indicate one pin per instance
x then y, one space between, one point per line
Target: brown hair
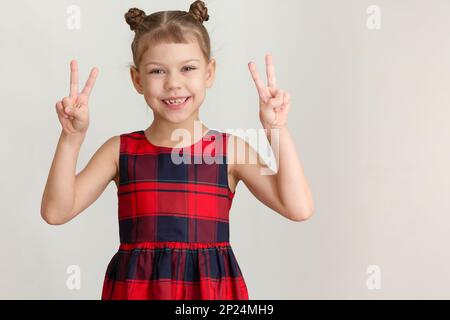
168 27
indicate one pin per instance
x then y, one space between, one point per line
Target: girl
173 217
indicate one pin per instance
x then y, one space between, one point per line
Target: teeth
178 101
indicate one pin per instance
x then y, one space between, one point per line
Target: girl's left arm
287 190
292 185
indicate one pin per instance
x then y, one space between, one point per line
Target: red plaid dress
173 211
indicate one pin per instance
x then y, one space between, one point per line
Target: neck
161 131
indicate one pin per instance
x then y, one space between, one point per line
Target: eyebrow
154 62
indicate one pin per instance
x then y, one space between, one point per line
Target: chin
176 119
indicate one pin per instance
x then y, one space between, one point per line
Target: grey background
369 118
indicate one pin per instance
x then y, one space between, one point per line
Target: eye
193 68
154 71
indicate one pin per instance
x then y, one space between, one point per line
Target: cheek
153 89
197 87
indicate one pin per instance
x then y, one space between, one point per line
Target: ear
135 77
210 72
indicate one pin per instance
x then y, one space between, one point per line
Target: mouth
177 105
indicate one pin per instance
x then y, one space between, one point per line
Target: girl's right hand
73 111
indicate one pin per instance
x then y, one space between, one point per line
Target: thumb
278 99
69 110
273 91
72 110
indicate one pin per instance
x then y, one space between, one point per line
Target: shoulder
112 145
238 148
113 142
239 154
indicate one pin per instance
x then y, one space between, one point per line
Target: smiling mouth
176 106
176 101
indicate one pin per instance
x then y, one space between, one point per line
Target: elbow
51 220
300 215
52 216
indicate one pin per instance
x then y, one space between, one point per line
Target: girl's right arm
59 194
59 190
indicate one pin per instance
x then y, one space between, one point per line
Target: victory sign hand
73 111
274 104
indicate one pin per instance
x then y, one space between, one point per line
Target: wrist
72 139
268 127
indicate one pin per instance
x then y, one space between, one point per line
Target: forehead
172 53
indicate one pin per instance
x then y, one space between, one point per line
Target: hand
274 104
73 111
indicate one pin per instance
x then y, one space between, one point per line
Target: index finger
262 90
90 82
73 78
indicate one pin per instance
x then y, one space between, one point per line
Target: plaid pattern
173 223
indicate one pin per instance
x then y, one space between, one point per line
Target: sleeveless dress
173 211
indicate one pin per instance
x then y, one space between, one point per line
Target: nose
173 82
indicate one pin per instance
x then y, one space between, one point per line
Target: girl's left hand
274 104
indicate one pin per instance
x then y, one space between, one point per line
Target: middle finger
270 70
73 78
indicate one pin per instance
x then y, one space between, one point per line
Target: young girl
173 215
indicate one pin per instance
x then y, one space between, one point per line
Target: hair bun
199 11
134 18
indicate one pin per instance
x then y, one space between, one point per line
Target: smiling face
174 70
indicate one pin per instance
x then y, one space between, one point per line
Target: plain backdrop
369 116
